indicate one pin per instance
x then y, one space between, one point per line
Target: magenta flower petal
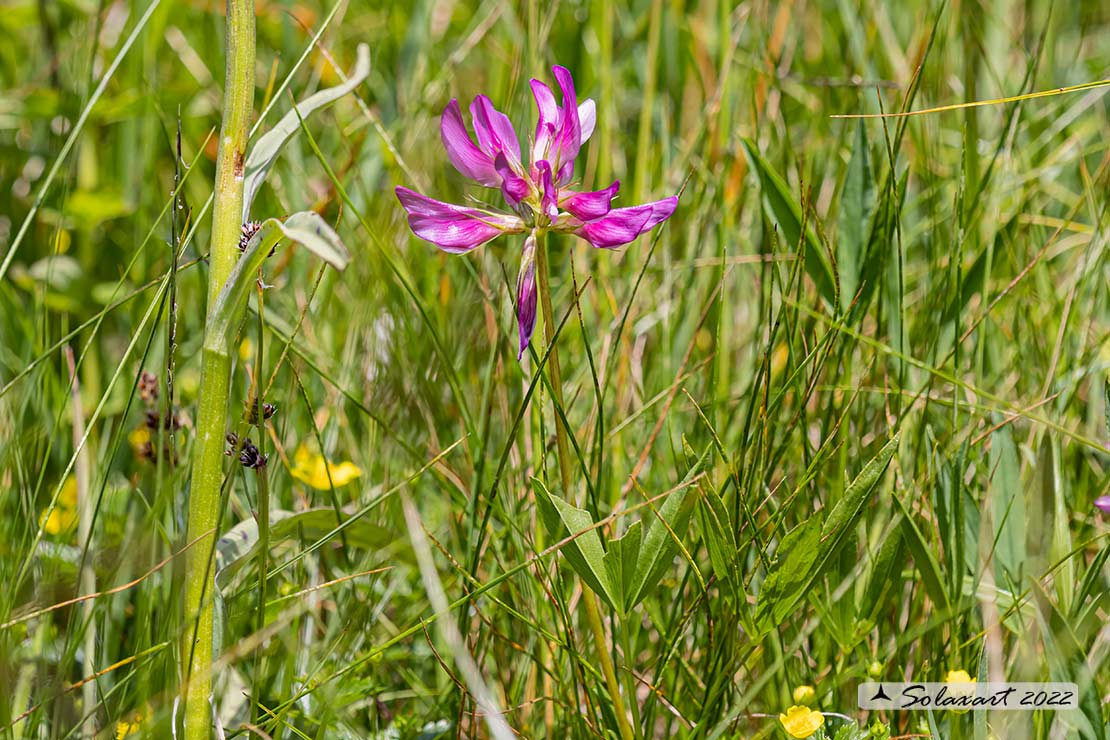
526 295
587 119
495 132
589 206
547 122
661 210
616 229
453 228
1102 503
622 225
514 187
568 138
468 159
548 193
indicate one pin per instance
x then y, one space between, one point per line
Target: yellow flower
246 350
805 695
68 495
126 728
313 469
61 520
801 722
139 438
958 677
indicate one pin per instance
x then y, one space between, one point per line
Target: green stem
589 600
208 457
263 515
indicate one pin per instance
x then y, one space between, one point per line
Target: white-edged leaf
305 228
268 146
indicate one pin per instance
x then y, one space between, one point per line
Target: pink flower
538 195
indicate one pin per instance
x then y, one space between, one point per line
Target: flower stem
589 600
208 457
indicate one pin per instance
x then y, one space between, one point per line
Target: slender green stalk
87 576
589 600
263 514
208 457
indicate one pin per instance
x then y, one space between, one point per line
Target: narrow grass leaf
923 558
784 211
856 205
1007 508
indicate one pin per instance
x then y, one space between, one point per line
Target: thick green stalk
208 456
589 600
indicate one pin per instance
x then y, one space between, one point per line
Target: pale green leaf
266 150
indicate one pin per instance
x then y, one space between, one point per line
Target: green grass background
965 308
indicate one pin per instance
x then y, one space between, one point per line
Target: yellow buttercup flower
958 677
127 728
805 695
61 520
64 516
801 722
311 468
68 495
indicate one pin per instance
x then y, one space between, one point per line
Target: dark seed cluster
148 388
249 455
154 419
250 228
268 410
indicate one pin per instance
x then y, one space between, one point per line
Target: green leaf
884 574
305 228
584 552
923 558
856 205
811 546
1007 509
784 212
88 208
848 509
266 149
716 525
661 542
795 560
1067 661
620 560
239 545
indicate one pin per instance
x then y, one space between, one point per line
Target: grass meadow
842 417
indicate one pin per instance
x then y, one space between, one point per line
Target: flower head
960 676
1102 503
540 194
805 695
801 722
315 470
63 517
962 689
